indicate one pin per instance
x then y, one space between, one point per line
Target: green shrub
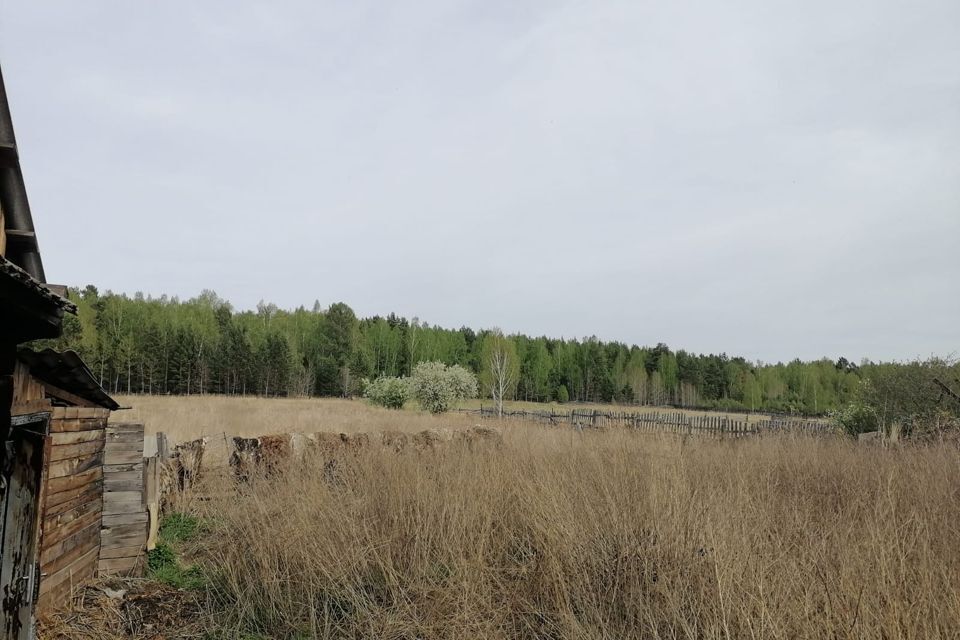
563 396
857 418
387 391
439 388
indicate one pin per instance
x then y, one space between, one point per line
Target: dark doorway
21 480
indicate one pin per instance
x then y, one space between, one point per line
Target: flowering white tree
387 391
438 388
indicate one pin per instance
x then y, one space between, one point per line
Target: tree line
163 345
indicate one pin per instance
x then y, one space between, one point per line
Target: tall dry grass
600 535
184 418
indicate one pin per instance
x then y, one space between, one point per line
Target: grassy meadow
187 417
556 534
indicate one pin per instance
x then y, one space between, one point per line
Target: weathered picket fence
662 421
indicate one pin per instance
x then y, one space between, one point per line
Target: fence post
163 447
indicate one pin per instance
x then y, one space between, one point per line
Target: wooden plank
122 476
67 500
109 535
123 457
51 599
123 434
67 530
123 502
131 437
92 412
67 425
123 497
66 483
51 523
118 447
114 485
122 566
71 398
75 466
114 541
75 547
76 437
121 552
163 446
31 406
129 507
67 451
120 468
53 551
123 424
151 497
81 570
112 520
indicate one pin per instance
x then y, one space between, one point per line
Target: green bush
387 391
857 418
439 388
563 396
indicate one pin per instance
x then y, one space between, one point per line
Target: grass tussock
600 535
165 562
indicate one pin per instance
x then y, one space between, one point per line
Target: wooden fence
123 532
663 421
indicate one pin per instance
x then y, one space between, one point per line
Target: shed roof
21 278
31 309
67 372
22 248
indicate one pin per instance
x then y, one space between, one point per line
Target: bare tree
502 367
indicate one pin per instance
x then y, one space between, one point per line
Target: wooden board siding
72 508
124 528
28 392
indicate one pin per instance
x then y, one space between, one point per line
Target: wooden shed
72 485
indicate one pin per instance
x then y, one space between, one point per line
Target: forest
163 345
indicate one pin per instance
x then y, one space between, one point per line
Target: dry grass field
187 417
557 534
601 535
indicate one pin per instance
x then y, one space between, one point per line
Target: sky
762 178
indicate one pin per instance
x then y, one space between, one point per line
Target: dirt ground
136 609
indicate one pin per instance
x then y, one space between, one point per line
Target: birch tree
501 367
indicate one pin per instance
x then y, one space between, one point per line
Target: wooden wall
125 521
28 393
93 516
72 502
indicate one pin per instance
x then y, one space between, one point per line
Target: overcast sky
762 178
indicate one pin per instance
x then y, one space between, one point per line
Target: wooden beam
66 396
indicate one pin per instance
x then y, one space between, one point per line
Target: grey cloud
763 178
